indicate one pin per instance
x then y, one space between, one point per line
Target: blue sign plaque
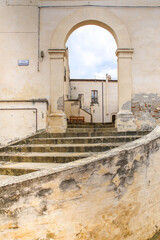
23 62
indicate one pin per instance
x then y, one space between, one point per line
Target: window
94 96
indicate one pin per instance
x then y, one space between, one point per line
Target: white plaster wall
87 117
10 130
111 100
20 119
19 40
143 27
72 108
85 88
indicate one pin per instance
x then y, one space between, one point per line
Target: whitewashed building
97 97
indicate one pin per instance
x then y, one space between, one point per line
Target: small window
94 96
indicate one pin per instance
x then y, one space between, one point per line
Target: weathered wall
19 40
26 30
146 109
114 195
21 118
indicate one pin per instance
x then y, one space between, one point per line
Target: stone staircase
51 150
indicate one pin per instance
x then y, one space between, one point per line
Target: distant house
95 99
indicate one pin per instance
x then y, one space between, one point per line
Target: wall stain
69 184
60 103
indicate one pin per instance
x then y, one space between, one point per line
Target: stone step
17 169
90 134
90 130
78 140
52 150
110 125
14 171
43 157
30 165
75 148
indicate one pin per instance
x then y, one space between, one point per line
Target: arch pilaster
56 117
125 119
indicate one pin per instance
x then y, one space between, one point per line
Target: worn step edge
93 134
64 148
15 171
41 159
76 140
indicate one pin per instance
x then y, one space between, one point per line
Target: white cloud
91 52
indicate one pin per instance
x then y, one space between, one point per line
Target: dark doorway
113 118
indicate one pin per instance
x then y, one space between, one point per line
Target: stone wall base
125 122
57 123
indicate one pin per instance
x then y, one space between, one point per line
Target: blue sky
92 53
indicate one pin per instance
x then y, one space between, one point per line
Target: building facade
33 61
98 97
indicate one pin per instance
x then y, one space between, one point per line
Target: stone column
125 119
56 117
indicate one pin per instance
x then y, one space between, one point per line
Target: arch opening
92 62
91 22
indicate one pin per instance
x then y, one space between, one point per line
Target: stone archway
106 19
